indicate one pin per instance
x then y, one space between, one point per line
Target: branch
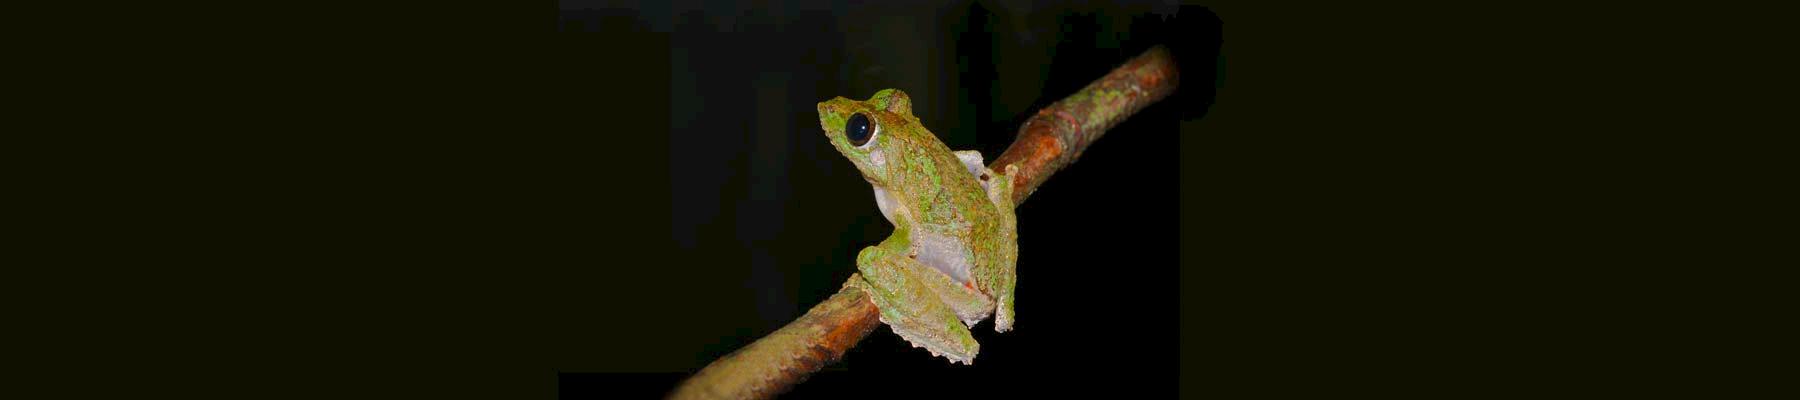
1049 141
1057 134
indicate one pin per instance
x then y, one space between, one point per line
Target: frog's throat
886 203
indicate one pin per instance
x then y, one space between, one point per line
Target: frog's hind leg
969 305
911 307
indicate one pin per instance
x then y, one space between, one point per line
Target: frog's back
942 182
954 210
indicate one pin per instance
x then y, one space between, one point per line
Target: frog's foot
909 306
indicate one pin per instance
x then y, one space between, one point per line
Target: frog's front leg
908 295
1004 276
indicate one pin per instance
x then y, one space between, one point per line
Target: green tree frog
949 263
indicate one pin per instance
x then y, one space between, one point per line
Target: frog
950 261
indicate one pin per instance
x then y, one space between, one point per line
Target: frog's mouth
871 164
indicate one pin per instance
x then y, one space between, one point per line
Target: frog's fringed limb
1000 191
896 315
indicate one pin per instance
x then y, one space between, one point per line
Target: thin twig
1048 141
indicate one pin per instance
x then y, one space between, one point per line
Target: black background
1390 201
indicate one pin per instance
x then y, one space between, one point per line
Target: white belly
937 251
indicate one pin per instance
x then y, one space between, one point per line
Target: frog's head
869 132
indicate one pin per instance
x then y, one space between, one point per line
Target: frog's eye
860 129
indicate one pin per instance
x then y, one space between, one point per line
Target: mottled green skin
948 211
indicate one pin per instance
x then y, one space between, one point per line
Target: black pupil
858 129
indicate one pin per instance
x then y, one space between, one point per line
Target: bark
1050 140
1055 136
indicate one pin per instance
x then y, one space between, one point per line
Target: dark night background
1395 201
765 218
